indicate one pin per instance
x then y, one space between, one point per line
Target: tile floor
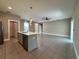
49 47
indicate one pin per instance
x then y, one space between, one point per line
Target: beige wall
4 17
76 30
35 27
32 27
60 27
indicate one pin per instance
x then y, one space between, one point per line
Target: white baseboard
6 39
56 34
76 51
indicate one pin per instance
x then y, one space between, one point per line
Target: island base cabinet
29 42
25 42
32 42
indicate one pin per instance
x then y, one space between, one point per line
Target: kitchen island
28 40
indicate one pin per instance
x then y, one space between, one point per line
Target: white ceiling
55 9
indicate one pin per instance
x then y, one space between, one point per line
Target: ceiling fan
46 18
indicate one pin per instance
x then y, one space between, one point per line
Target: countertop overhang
28 33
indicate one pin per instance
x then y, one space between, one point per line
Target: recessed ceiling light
10 7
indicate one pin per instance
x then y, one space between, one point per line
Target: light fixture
10 7
30 21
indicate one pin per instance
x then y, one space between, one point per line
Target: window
26 26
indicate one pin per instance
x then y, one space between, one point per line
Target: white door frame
9 27
72 30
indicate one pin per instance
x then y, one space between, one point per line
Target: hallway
50 47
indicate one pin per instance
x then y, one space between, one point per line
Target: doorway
13 29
